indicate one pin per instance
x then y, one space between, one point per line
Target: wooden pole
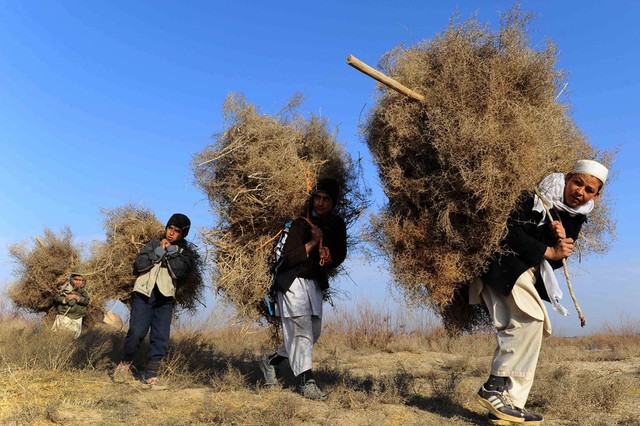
583 320
382 78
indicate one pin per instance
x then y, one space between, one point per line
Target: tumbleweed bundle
128 229
42 269
256 176
454 165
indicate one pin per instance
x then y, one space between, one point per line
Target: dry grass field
374 372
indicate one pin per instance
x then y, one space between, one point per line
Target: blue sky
104 103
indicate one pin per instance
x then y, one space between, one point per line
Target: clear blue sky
104 103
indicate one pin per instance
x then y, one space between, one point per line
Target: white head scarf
552 190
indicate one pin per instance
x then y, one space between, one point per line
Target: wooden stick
382 78
40 241
583 320
563 87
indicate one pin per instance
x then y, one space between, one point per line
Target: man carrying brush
71 303
160 267
521 277
316 244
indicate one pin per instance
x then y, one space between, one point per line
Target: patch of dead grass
215 380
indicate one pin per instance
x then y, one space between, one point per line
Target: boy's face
173 233
322 204
580 189
77 281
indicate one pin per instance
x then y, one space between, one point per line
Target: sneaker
152 383
499 404
311 390
530 419
269 372
123 373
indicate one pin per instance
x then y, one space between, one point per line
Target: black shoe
499 403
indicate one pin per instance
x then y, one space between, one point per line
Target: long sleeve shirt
525 244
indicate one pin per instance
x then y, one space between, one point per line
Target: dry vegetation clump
282 410
364 328
355 392
39 348
42 269
128 229
257 175
579 397
454 165
595 348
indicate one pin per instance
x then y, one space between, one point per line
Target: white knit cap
592 168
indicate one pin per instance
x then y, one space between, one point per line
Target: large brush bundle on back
41 270
454 164
128 229
257 175
44 268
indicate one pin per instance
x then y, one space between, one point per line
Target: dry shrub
454 165
257 175
626 326
365 328
42 269
284 409
28 413
30 345
230 379
580 398
35 347
478 344
128 229
444 386
355 392
594 348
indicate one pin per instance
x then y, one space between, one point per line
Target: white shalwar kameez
300 309
63 322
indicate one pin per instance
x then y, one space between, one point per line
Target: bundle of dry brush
43 269
128 229
454 165
257 175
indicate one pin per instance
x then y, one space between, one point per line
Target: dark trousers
153 312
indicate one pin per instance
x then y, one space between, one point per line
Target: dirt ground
403 387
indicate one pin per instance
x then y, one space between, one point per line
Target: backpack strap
278 251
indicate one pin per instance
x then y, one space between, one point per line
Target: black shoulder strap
279 247
278 253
